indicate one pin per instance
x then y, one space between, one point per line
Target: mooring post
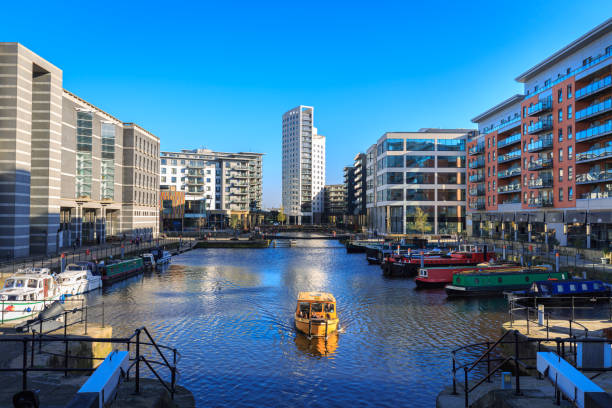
137 361
516 363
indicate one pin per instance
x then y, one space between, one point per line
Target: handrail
493 371
489 350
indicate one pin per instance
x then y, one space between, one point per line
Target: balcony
540 163
542 182
475 150
476 178
540 202
513 200
596 195
593 88
511 124
513 155
510 188
544 143
594 154
540 107
476 164
540 126
478 190
594 110
513 172
594 132
510 140
594 177
477 205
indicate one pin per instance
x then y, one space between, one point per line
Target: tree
234 222
421 222
281 217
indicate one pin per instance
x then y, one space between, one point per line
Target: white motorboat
148 260
77 279
26 293
164 258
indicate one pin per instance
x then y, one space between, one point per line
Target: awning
508 217
536 216
522 217
554 216
599 217
575 216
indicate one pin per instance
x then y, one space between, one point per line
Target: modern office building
69 172
415 182
349 186
172 210
335 203
217 185
359 197
541 166
303 171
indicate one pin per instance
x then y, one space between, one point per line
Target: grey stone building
69 172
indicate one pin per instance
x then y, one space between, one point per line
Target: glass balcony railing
514 171
594 154
510 188
594 109
475 164
478 149
594 195
509 125
594 177
594 132
540 163
513 155
594 87
540 126
513 200
540 202
542 106
476 178
477 205
542 144
542 182
510 140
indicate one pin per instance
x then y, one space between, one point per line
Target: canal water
230 313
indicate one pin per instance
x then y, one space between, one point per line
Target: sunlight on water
230 313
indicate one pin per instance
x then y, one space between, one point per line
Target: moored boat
467 255
77 279
26 293
437 277
114 270
496 283
315 314
562 292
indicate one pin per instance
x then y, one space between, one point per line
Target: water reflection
317 346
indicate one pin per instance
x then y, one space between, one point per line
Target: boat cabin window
572 287
329 308
316 307
596 285
559 288
423 273
585 286
32 283
9 283
544 288
304 308
19 283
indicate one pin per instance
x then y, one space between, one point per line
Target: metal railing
593 87
594 109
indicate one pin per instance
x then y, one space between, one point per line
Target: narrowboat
26 293
315 314
114 270
376 254
496 283
355 247
467 255
562 291
438 277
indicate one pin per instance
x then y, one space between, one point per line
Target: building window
570 152
560 194
569 91
393 145
561 174
569 111
425 161
423 178
83 154
560 115
570 173
524 111
570 193
420 145
454 145
447 161
560 135
107 171
569 132
559 95
560 155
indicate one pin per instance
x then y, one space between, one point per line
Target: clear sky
221 74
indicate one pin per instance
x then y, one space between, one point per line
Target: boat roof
532 270
318 296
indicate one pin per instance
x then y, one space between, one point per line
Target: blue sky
221 74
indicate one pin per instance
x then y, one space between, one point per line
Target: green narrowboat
115 270
496 283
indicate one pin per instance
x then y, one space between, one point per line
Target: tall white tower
303 166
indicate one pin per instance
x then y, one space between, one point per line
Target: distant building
359 197
217 185
172 210
303 167
349 186
70 173
410 173
335 203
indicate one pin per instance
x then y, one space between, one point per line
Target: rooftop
499 107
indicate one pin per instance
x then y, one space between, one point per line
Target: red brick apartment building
541 164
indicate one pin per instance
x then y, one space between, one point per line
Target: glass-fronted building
416 182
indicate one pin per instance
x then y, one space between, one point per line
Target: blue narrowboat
559 291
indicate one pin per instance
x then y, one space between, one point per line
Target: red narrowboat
438 277
408 265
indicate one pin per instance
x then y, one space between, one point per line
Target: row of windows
420 194
422 145
420 178
421 161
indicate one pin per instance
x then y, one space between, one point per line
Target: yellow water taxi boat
315 314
